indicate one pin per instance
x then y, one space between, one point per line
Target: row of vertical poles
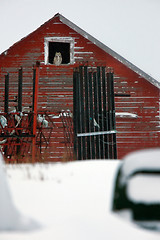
20 83
94 113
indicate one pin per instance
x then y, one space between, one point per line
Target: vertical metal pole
35 113
34 77
75 115
109 113
19 107
6 98
87 110
100 112
105 121
6 101
20 79
79 115
91 119
113 117
96 118
82 112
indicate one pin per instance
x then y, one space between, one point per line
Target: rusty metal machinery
24 132
67 121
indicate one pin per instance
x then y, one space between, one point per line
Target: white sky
129 27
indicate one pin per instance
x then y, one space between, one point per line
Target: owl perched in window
57 59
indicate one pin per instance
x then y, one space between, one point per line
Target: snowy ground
68 201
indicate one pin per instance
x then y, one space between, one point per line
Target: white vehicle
67 201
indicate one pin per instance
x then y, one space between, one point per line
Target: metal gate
94 113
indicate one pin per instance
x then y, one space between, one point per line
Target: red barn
136 93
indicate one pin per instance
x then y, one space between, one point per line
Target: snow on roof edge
109 50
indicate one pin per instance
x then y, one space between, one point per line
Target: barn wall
141 132
56 88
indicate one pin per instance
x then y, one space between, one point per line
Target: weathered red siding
56 88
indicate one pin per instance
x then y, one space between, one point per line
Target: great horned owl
57 59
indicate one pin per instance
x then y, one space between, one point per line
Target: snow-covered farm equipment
24 132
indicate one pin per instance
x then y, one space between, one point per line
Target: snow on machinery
24 132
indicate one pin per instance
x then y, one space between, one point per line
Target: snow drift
10 217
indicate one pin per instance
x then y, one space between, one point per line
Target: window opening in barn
61 49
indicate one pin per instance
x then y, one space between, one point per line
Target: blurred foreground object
10 217
136 194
